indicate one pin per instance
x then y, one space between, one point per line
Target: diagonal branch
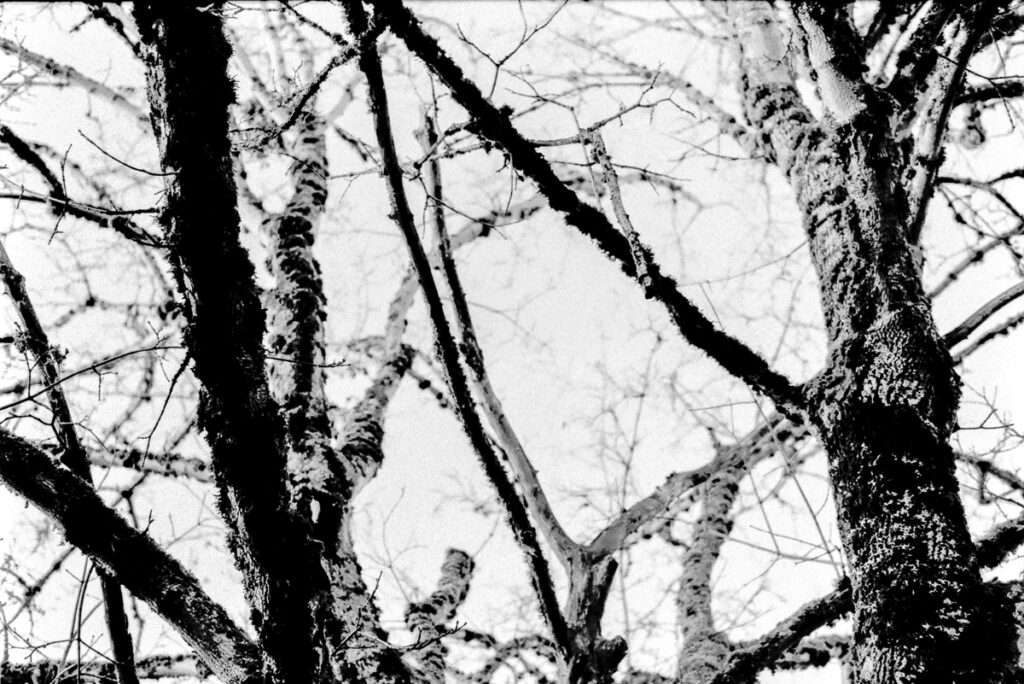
58 201
726 122
978 318
72 454
526 475
933 106
1002 540
131 556
75 77
361 441
493 124
659 504
1003 328
743 665
447 349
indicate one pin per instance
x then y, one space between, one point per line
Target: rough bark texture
190 92
51 672
592 659
428 619
884 407
886 404
705 649
322 480
132 556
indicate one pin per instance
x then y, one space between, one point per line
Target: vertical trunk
322 478
190 92
886 404
705 650
591 659
886 408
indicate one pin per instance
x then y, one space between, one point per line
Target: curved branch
428 618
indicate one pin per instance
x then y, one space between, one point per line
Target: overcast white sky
574 351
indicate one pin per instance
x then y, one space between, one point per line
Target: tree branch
525 474
131 556
978 318
932 107
1003 328
167 464
760 442
731 354
60 204
428 618
72 454
190 93
980 93
54 672
744 664
75 77
447 349
704 648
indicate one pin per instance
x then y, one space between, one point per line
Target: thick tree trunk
322 478
886 404
190 92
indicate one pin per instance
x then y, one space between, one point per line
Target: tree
871 127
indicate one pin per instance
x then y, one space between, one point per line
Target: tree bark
186 56
886 404
132 557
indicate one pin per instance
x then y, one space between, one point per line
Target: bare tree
264 140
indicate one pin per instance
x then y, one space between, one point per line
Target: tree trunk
886 404
190 92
